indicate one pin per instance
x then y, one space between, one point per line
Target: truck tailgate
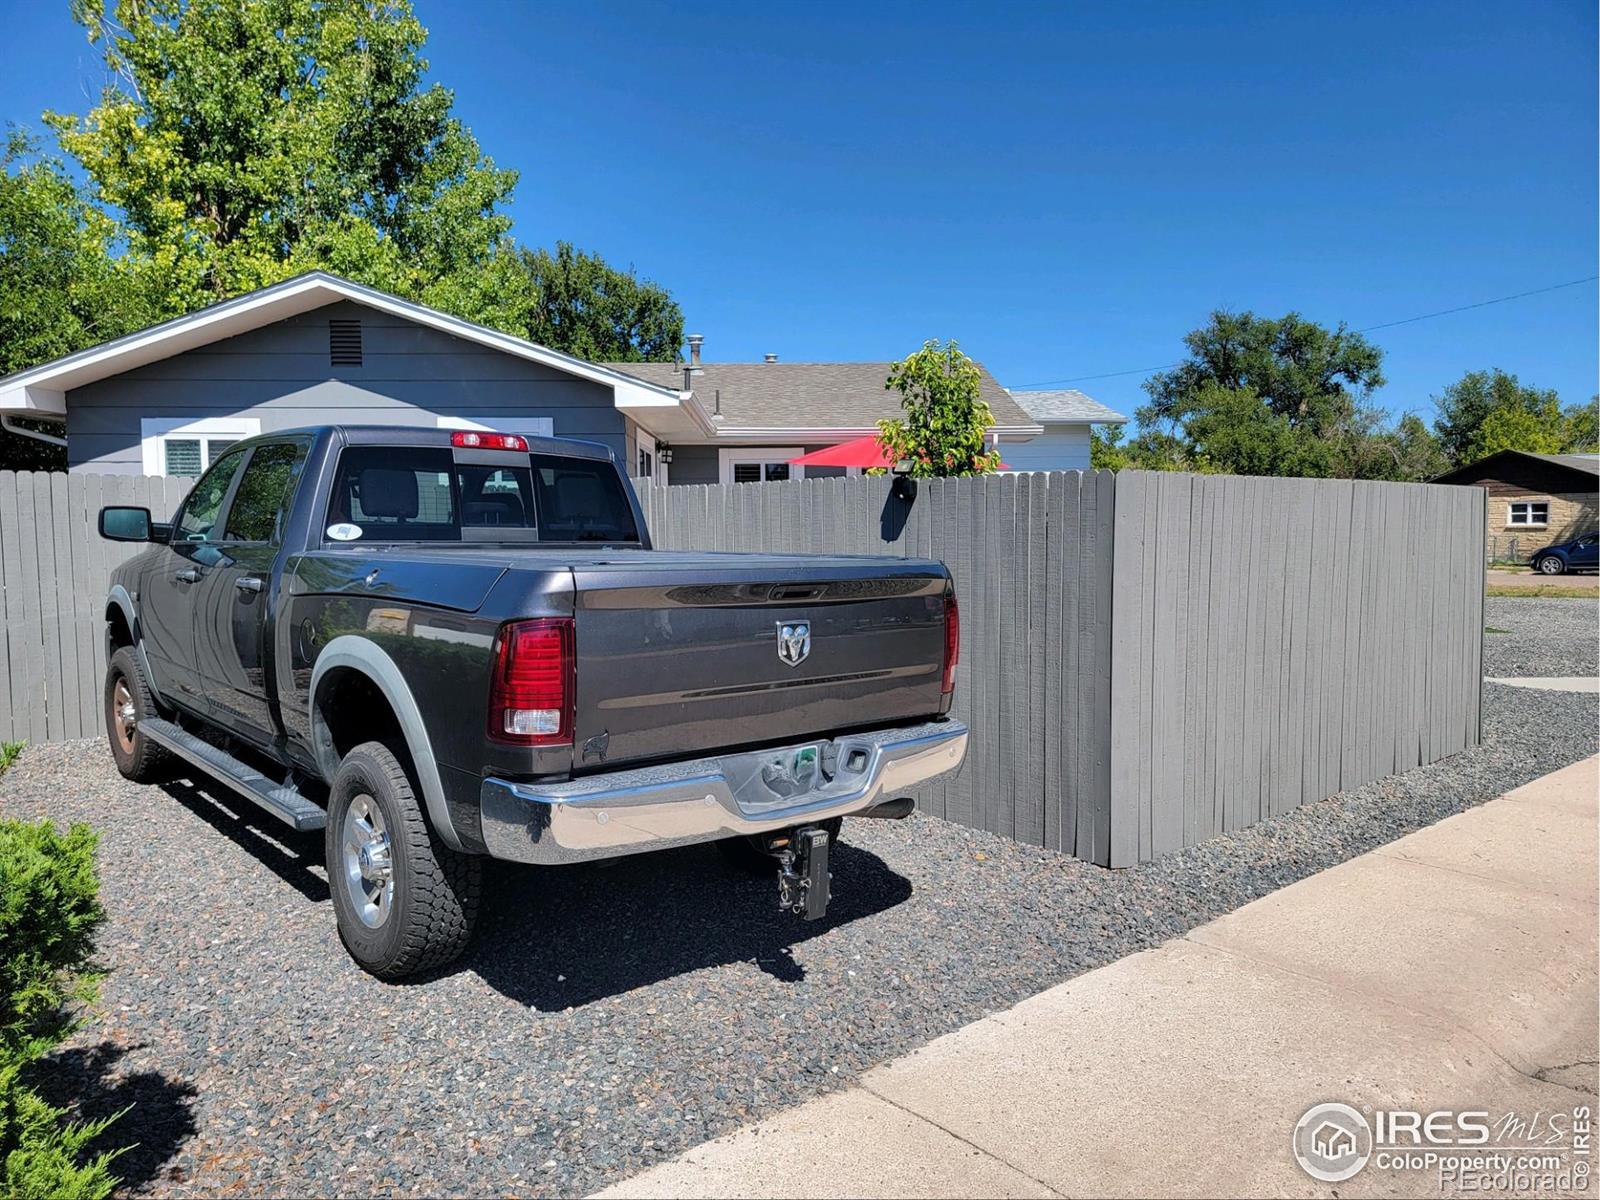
678 654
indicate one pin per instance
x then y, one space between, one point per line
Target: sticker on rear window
344 532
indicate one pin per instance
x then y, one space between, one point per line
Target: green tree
1106 451
1308 374
60 289
1414 454
1583 428
243 143
1264 396
586 307
240 144
942 432
1485 412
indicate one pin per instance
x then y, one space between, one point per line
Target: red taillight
530 695
952 642
471 439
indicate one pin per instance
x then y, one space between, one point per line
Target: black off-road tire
746 853
437 891
136 756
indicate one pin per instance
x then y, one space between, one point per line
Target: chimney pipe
770 358
696 340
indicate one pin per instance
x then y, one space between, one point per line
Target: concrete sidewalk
1552 683
1453 968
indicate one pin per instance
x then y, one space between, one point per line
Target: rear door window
264 492
396 494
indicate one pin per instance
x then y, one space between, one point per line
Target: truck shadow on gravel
289 855
157 1122
561 937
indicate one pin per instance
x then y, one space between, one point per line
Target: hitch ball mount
803 877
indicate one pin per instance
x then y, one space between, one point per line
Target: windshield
394 494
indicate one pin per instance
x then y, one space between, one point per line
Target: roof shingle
806 395
1068 405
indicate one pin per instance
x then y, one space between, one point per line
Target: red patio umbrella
860 452
865 452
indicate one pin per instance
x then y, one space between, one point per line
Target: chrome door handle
188 575
248 583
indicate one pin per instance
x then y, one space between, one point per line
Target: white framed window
759 464
1528 514
181 446
530 426
646 464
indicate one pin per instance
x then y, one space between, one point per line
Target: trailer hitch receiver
803 878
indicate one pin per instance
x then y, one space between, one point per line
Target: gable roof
829 399
1585 468
42 389
1068 405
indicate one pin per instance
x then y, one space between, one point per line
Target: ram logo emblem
794 642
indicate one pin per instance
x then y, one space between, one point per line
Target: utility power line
1443 312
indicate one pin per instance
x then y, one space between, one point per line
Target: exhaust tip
891 810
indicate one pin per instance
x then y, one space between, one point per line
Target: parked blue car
1576 555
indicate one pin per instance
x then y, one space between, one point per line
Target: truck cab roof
421 435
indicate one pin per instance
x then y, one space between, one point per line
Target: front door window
204 505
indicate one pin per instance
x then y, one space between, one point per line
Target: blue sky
1066 189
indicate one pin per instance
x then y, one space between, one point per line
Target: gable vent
344 342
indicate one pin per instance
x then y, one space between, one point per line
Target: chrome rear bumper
627 812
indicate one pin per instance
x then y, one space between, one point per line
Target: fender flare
365 657
119 598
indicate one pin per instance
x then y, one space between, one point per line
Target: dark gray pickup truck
439 645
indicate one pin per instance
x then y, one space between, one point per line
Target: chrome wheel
1551 565
368 862
124 717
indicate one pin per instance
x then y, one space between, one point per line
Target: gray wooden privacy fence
54 569
1278 640
1147 660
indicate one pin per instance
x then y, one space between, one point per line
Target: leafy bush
49 915
8 753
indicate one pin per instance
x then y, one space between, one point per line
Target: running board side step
280 799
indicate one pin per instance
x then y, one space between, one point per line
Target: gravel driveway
1524 636
610 1017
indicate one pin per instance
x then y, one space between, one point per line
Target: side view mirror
126 524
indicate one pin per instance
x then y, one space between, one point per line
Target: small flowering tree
942 433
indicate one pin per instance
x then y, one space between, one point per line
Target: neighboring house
1066 417
1537 498
763 414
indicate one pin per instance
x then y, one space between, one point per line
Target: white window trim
645 443
529 426
1530 505
727 456
154 432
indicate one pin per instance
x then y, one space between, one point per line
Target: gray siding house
318 349
1066 417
